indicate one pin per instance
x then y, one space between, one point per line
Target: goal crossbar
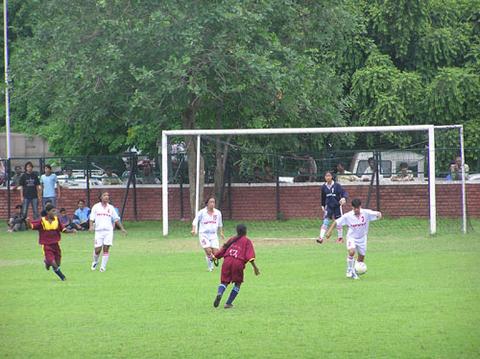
430 129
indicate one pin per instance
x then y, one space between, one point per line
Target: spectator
268 176
343 175
49 182
3 175
68 225
110 178
311 169
148 175
17 222
30 190
43 213
308 171
371 169
404 175
265 176
15 182
456 169
257 174
70 179
80 217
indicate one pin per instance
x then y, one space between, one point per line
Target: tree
102 76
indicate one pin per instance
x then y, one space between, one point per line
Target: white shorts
359 245
103 238
208 240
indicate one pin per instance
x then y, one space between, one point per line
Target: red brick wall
296 201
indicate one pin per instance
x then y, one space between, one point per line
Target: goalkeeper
333 197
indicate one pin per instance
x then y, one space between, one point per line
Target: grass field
419 299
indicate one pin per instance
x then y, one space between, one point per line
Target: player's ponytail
241 232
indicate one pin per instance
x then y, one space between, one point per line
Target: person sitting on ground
81 216
404 175
110 178
456 169
68 225
17 222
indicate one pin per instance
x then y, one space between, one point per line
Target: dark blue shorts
332 213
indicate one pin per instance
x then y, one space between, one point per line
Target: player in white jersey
207 222
357 221
103 219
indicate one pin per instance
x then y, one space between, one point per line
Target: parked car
390 163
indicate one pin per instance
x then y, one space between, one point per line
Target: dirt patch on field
276 242
16 262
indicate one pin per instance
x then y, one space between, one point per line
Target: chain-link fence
124 173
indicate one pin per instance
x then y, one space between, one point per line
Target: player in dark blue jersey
333 197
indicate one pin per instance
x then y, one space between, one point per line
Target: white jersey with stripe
208 224
104 217
357 225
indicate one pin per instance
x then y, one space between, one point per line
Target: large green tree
422 68
96 77
101 76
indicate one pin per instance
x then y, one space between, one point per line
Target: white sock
95 257
104 260
323 230
340 231
209 262
350 263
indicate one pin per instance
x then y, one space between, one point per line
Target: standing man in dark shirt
30 190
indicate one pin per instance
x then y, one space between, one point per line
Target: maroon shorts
52 252
232 270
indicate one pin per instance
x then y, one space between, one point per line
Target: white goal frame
430 129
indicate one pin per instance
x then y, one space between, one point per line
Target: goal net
271 178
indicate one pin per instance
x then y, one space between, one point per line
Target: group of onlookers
46 189
78 222
404 174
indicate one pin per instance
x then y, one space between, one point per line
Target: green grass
419 299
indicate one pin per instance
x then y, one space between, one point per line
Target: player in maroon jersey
49 229
235 252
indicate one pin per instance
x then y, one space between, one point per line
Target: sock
95 257
59 273
104 261
323 230
340 231
350 264
221 289
233 294
209 262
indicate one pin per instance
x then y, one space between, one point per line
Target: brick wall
259 201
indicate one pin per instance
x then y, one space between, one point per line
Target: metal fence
128 170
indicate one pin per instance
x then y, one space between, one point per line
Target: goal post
198 133
463 184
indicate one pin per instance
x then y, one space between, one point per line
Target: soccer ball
360 267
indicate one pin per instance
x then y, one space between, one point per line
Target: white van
390 163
